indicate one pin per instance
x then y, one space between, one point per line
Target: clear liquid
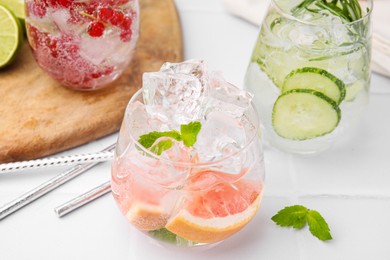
285 45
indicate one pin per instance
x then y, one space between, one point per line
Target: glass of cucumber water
310 71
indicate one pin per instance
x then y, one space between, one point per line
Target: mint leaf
190 132
161 146
147 140
167 236
294 216
297 216
188 135
164 234
318 226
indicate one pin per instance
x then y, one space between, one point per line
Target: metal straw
46 187
56 161
83 199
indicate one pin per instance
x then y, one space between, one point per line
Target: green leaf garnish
161 146
188 134
167 236
164 235
294 216
318 226
297 216
147 140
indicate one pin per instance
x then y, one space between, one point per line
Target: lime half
16 6
10 36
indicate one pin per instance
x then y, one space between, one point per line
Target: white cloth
254 11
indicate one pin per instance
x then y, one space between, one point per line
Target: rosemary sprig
303 5
347 10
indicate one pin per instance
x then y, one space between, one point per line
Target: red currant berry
126 24
89 10
108 70
105 14
95 29
63 3
38 9
117 18
126 35
96 75
52 44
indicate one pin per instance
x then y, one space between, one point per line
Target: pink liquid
150 193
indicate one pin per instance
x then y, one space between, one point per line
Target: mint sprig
297 216
188 134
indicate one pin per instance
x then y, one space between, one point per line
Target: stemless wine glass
188 196
83 44
310 72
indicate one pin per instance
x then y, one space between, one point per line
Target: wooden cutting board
39 117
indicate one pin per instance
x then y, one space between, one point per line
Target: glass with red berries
85 45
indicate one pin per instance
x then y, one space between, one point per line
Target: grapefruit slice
149 205
209 178
141 200
146 216
212 215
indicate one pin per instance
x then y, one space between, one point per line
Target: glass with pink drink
188 167
83 44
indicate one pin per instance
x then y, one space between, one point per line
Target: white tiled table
349 185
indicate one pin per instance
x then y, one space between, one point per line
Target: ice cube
172 97
221 136
307 36
323 29
60 17
196 68
97 50
138 121
223 96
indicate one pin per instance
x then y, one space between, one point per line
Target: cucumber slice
316 79
301 114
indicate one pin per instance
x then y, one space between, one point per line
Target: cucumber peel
316 79
301 114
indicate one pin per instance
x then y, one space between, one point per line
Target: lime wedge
16 6
10 36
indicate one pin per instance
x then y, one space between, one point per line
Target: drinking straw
47 186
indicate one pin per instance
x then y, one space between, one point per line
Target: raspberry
95 29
